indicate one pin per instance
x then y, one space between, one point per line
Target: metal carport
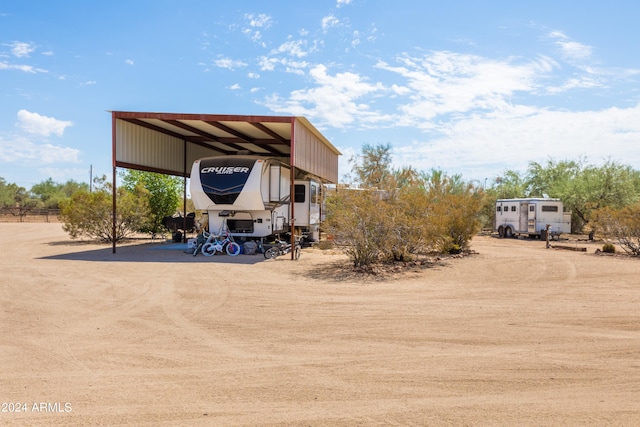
169 143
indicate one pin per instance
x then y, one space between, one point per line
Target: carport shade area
169 143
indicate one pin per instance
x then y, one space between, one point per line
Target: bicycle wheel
271 253
208 249
196 250
233 248
297 252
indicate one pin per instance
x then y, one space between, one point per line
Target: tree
454 210
10 194
585 188
510 185
90 214
49 193
372 168
163 196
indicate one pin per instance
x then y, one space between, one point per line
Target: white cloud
256 23
333 100
21 67
292 48
21 49
444 83
261 20
329 21
482 147
228 63
267 64
37 124
15 149
570 49
341 3
129 62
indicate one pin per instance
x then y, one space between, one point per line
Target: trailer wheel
508 233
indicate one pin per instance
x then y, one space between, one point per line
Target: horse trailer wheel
508 233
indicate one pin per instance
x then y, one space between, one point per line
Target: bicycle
282 248
214 245
202 238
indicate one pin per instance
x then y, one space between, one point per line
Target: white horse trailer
531 216
250 196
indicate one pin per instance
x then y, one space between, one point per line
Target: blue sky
469 87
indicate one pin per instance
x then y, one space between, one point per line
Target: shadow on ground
146 252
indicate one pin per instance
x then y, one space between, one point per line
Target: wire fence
29 215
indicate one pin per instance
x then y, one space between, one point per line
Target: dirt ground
515 335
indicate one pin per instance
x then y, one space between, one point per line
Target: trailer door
532 218
523 216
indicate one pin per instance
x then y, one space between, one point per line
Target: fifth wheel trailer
250 196
530 216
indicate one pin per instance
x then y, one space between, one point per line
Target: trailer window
299 193
532 208
314 194
499 209
513 208
548 208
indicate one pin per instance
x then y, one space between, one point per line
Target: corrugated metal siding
313 155
195 152
141 146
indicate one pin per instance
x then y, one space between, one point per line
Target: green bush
609 248
90 214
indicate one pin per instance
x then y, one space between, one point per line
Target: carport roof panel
222 134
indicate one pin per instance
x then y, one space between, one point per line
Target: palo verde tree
163 193
454 208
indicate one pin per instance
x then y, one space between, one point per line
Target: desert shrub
90 214
357 225
621 225
609 248
325 245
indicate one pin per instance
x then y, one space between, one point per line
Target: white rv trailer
250 196
530 216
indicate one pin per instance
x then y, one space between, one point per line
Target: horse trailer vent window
547 208
498 209
300 193
532 208
513 208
